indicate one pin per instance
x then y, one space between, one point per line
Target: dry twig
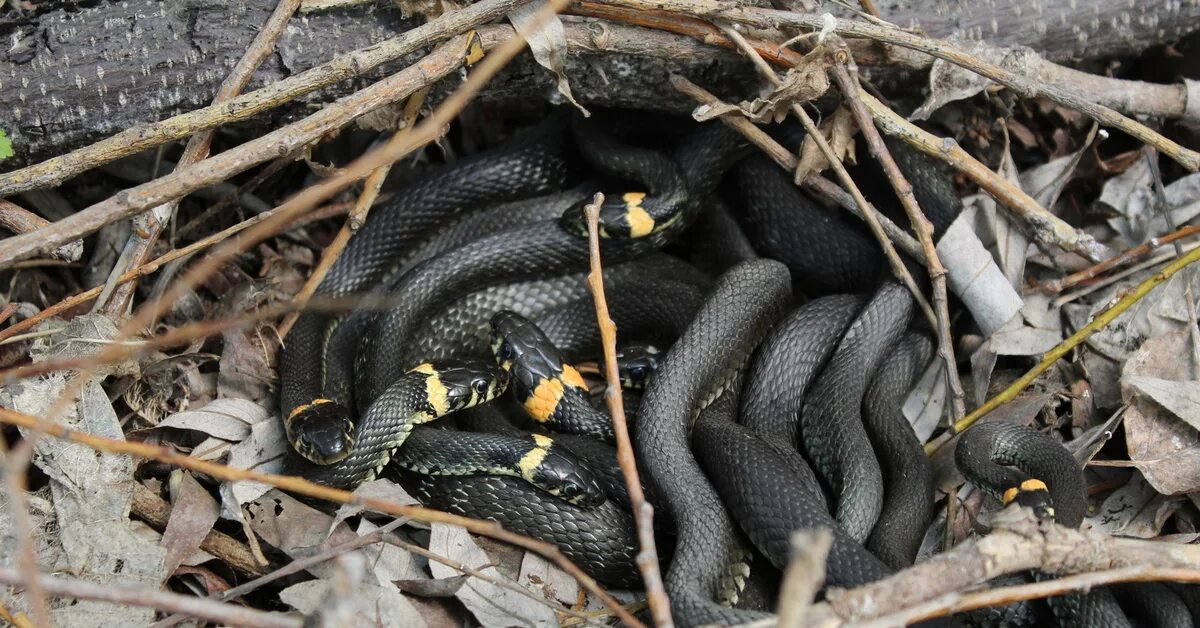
643 512
438 64
152 598
889 251
1056 286
54 171
317 491
788 161
864 29
16 461
920 224
1100 321
150 225
69 303
155 511
17 219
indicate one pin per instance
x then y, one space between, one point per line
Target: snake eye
480 386
637 373
506 352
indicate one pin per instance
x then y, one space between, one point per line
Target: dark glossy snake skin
907 473
600 540
828 379
1000 458
789 361
770 501
831 422
736 316
531 164
422 394
535 458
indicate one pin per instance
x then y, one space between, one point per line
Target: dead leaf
1134 510
227 419
432 587
1165 449
548 44
1181 398
949 82
545 577
193 513
975 277
1161 311
492 606
246 364
838 130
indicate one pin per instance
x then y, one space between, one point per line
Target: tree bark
74 72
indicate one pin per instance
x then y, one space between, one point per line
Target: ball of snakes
760 330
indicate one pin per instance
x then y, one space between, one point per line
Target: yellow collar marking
1033 485
530 461
543 441
572 378
1025 487
640 222
543 400
435 390
302 407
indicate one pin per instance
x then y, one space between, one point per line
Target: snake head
561 474
636 363
322 431
469 382
522 349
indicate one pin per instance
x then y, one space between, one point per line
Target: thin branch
356 218
1029 88
155 511
15 618
152 598
17 219
72 302
643 512
441 62
16 461
151 224
920 224
893 258
788 161
1097 323
1045 227
804 576
1003 596
53 172
1055 286
1018 542
296 566
317 491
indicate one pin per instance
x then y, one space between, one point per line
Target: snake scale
772 345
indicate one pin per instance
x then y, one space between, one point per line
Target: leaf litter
214 400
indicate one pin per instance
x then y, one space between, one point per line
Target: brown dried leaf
490 604
1134 510
193 514
1165 449
432 587
839 130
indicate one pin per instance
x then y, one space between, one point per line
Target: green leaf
6 150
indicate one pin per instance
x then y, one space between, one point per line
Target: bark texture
73 72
